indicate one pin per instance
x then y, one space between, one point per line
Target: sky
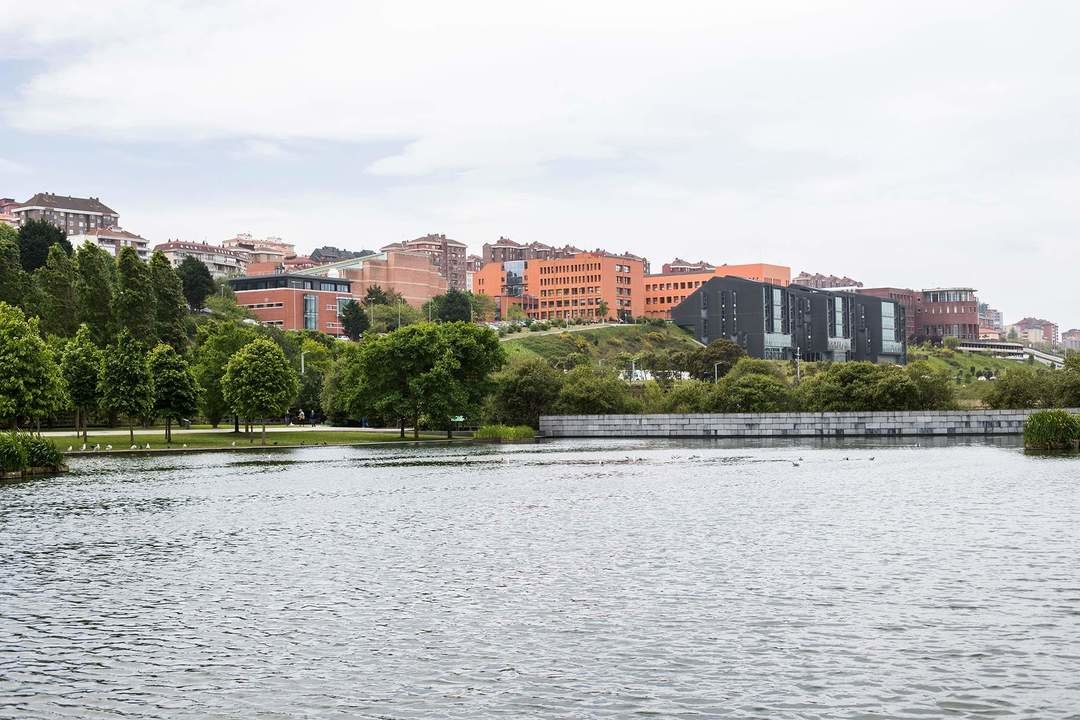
916 144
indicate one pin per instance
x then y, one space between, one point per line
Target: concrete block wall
829 424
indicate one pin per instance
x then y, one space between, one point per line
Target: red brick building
294 301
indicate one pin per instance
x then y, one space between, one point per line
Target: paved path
223 429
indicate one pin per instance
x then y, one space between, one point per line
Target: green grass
208 441
602 343
504 433
971 392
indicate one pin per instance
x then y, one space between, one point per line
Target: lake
571 579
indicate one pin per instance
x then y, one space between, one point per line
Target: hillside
601 343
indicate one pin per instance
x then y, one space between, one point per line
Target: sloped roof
66 202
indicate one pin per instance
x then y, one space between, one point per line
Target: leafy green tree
932 386
354 320
215 343
1068 382
755 366
603 311
317 362
483 307
197 282
476 354
81 366
135 308
525 390
1021 387
514 313
385 318
754 393
125 385
31 384
588 390
56 280
713 361
170 307
95 289
176 393
691 396
454 306
859 386
375 295
259 382
12 276
35 239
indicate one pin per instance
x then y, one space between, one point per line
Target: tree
95 288
525 390
515 314
59 301
603 311
31 384
859 386
385 318
354 320
215 343
12 276
259 382
1021 387
476 353
483 307
176 393
35 239
81 366
375 295
197 282
454 306
125 385
317 362
754 393
932 386
170 307
713 361
135 308
1068 382
588 390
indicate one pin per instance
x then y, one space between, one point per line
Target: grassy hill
601 343
969 391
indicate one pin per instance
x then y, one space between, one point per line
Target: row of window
681 285
262 306
574 267
570 280
664 300
595 290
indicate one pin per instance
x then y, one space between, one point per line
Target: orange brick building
294 301
571 287
664 291
410 274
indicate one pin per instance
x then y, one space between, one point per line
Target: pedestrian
313 419
300 416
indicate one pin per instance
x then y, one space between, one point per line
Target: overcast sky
914 144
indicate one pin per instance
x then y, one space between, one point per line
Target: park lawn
602 343
207 441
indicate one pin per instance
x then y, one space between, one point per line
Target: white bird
108 447
84 447
234 443
185 444
147 446
97 447
134 446
69 448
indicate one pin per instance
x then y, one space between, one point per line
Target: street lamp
716 373
302 354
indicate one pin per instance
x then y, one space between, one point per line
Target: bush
588 390
42 453
1051 430
14 455
504 433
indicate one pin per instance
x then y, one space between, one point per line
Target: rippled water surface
573 579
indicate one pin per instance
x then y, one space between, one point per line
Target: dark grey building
780 323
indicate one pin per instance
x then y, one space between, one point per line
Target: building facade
825 282
910 299
248 243
1071 339
7 217
295 302
331 254
73 215
948 312
567 288
446 254
506 250
991 318
220 261
111 240
785 322
664 291
1038 330
409 274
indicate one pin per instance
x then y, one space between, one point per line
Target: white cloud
918 144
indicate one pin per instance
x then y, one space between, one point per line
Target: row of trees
385 310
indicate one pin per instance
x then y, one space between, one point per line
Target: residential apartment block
295 302
446 254
220 261
111 239
271 245
991 318
784 322
6 216
825 282
1071 339
664 291
1038 330
73 215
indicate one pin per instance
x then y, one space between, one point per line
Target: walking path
70 432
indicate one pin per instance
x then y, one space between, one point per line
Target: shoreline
247 447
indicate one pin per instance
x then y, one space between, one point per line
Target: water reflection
709 578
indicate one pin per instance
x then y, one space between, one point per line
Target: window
311 312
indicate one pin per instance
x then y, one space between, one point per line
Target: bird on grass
133 447
147 446
97 447
108 447
69 448
234 443
185 444
83 447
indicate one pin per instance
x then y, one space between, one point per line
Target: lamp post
716 373
302 354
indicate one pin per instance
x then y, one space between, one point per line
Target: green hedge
19 451
1051 430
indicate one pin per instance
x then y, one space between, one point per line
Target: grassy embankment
603 343
210 441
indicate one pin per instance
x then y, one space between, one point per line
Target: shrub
1051 430
42 453
13 453
504 433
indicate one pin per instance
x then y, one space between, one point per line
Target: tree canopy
135 307
125 385
354 320
59 302
197 282
81 365
170 307
216 342
35 239
176 392
31 384
95 289
259 382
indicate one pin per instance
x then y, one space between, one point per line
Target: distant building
7 217
220 261
776 322
111 239
330 254
910 299
825 282
506 250
679 266
251 244
948 312
990 318
73 215
566 288
1044 330
663 291
295 301
446 254
410 274
1071 339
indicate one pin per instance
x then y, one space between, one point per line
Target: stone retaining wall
829 424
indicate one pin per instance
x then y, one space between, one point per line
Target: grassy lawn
602 343
224 440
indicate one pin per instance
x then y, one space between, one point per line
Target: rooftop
66 202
